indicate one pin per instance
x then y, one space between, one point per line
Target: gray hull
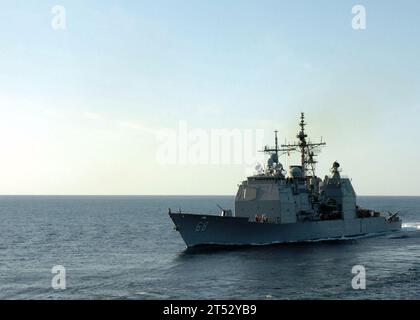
198 229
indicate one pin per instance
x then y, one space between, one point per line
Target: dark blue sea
124 247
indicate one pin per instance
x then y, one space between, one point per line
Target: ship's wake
411 226
408 230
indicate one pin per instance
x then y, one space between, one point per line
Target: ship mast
306 149
277 143
276 149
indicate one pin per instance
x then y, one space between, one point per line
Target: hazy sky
80 108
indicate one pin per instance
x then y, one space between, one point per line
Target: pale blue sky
72 101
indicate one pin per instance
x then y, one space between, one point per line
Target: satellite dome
295 172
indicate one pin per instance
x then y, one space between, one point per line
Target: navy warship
275 206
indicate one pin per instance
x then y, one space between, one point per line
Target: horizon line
169 195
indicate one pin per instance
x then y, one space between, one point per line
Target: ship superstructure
276 206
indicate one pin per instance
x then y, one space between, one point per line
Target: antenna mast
277 144
306 149
276 149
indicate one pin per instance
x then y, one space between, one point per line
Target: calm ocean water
126 248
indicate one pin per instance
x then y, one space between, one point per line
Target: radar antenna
274 167
276 149
306 148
